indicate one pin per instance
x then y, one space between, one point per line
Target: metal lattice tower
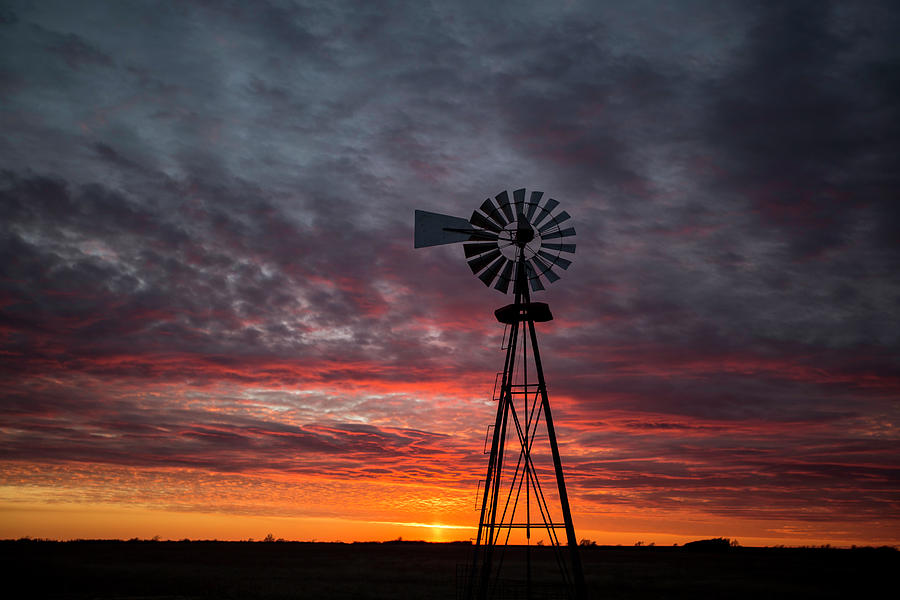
517 244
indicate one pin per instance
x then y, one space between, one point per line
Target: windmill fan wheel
507 230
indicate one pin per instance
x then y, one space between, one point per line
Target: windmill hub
518 235
524 233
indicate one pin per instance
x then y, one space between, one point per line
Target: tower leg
575 555
484 543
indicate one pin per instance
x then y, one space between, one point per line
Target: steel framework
513 496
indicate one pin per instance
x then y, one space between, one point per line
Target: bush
712 545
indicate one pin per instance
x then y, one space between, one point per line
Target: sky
213 322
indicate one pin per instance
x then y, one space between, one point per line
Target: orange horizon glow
253 507
81 522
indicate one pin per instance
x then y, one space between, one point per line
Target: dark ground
183 570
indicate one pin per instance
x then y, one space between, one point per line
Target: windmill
514 247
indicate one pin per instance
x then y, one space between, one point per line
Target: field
269 570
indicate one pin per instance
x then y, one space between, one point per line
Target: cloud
206 260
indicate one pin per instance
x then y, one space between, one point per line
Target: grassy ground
188 570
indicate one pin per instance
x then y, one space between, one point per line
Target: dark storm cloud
110 275
808 120
206 193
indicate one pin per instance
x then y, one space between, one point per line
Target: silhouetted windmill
516 243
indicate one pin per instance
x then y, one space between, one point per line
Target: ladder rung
524 525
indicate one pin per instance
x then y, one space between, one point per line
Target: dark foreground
187 570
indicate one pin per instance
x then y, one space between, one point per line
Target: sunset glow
213 323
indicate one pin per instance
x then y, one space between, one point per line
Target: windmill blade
493 213
545 269
505 277
431 229
488 276
559 234
556 260
533 278
476 248
545 211
555 221
503 200
535 200
570 248
519 199
480 262
479 220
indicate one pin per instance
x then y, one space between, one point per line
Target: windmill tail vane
515 246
